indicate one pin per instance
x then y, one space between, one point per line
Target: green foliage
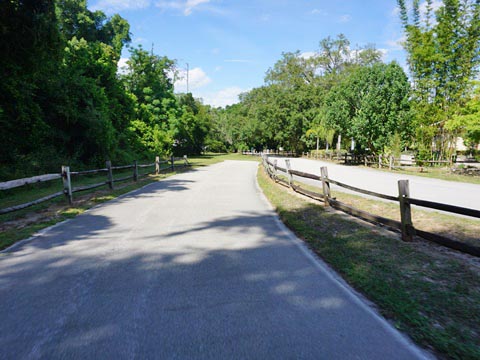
371 105
467 122
62 100
305 100
164 124
30 49
443 49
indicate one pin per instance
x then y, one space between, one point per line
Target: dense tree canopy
371 105
338 91
62 99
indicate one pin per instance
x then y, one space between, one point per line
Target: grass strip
458 228
427 293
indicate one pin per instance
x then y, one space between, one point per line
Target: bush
215 146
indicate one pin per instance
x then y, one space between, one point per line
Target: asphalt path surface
442 191
196 266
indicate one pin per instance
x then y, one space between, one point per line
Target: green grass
210 158
24 223
438 173
431 295
458 228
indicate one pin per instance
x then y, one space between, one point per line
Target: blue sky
229 45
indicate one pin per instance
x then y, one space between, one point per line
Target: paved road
447 192
195 266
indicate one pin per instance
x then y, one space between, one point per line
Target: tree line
343 94
63 99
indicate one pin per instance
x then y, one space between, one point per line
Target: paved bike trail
196 266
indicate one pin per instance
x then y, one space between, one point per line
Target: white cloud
344 18
191 4
308 55
318 12
224 97
384 53
436 4
197 78
396 44
396 11
186 7
139 40
122 66
110 6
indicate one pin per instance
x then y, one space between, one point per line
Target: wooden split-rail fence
67 175
380 161
405 226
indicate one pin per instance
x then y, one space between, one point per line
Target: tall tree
93 110
30 51
147 79
443 49
334 54
371 105
467 122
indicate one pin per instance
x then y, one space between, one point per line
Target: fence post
172 159
390 164
380 161
365 159
289 175
325 185
135 170
67 184
157 165
405 210
108 163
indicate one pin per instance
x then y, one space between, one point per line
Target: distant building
460 145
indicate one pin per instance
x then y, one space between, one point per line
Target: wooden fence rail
66 175
32 180
363 191
380 161
87 172
405 201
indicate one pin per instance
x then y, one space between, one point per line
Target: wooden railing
405 226
66 175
